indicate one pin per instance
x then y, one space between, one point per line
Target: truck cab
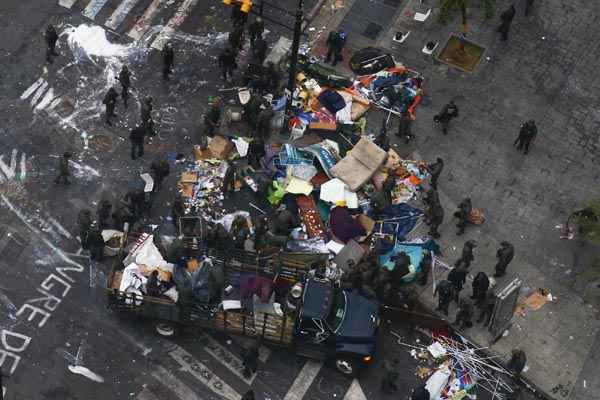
336 325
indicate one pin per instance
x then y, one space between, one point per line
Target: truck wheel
346 366
165 329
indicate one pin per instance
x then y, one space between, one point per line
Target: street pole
293 64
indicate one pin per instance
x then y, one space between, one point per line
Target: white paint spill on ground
81 370
92 41
84 171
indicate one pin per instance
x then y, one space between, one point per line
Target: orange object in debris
414 180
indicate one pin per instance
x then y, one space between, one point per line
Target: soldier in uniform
103 213
51 38
449 111
250 359
390 377
256 30
466 257
110 101
463 213
425 267
63 169
487 308
445 292
335 44
212 118
84 223
506 17
464 316
236 38
159 170
146 116
136 136
527 134
435 170
505 255
481 283
95 243
125 79
227 63
259 50
436 213
517 362
457 276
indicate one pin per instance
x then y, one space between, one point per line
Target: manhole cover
372 30
100 143
462 54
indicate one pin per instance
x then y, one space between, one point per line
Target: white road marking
180 15
203 374
146 395
54 103
118 16
67 3
61 229
39 93
48 97
227 358
93 8
355 392
142 24
169 380
303 381
34 86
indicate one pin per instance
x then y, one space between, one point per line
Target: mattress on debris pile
360 164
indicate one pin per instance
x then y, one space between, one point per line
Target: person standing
528 5
229 180
125 79
487 308
457 277
449 111
236 38
103 213
436 213
506 17
256 30
435 170
168 55
517 362
444 290
480 285
110 101
335 44
136 136
250 359
63 169
84 223
389 383
146 116
227 63
95 243
466 258
51 38
505 254
424 268
159 170
463 213
259 50
212 118
527 134
464 315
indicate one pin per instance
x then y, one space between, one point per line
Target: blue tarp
398 219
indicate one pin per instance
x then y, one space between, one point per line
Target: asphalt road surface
58 339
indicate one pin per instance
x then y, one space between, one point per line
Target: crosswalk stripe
201 372
146 395
169 380
93 8
227 358
34 86
304 380
66 3
48 97
177 19
355 392
39 93
143 23
118 16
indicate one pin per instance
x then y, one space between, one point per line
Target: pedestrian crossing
181 375
94 8
43 96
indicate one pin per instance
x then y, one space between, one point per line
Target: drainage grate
372 30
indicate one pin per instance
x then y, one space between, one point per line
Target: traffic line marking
143 23
203 374
174 384
38 94
34 86
93 8
305 378
355 392
48 97
118 16
67 3
227 358
180 15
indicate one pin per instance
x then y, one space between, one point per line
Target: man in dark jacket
250 359
464 315
505 255
136 136
463 213
146 116
63 169
51 38
527 135
259 50
227 63
168 54
84 223
110 101
487 308
517 362
445 292
95 243
212 118
435 170
506 17
481 283
436 213
424 268
103 213
159 170
125 79
236 38
449 111
256 30
335 43
466 257
457 277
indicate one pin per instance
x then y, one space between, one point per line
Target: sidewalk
558 337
